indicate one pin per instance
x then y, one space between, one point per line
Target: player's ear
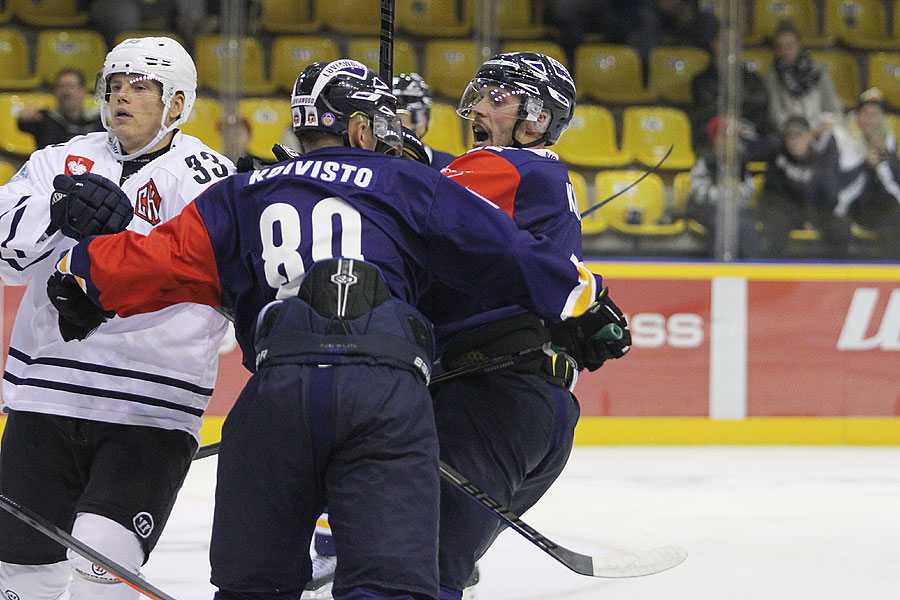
176 107
359 132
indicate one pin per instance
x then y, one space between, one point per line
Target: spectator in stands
870 172
801 192
755 129
706 190
68 119
682 23
239 127
798 85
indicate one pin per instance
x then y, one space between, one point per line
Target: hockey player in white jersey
100 434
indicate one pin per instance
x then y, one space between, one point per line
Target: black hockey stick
622 191
55 533
386 55
629 565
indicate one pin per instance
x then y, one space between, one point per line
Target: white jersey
156 369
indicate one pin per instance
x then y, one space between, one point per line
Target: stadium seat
590 140
83 51
5 12
293 53
48 13
551 49
445 130
893 122
758 60
637 211
648 132
884 73
449 65
673 68
7 170
802 13
844 73
210 54
15 66
368 52
352 17
203 122
610 73
435 18
593 223
268 118
519 19
12 139
289 16
860 24
681 190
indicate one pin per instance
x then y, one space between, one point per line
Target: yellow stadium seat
445 129
289 16
860 24
83 51
268 118
590 140
48 13
637 210
844 73
7 170
12 139
449 65
802 13
648 132
293 53
15 69
673 68
681 190
210 54
551 49
368 52
884 73
758 60
124 35
893 122
592 223
352 17
610 73
435 18
203 122
519 19
5 12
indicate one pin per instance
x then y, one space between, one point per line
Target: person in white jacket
100 433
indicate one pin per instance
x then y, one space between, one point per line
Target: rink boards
741 354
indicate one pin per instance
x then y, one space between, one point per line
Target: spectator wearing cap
706 191
797 85
870 172
801 192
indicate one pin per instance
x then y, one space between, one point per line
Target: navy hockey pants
511 435
359 437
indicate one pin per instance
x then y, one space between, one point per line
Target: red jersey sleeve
488 175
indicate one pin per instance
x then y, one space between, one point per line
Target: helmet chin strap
517 144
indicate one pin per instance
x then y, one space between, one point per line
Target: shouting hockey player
100 435
338 410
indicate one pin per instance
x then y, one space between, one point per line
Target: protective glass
145 86
388 130
496 96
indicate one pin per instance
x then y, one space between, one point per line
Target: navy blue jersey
532 187
250 239
439 158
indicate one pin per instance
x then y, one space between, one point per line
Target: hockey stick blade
630 565
58 535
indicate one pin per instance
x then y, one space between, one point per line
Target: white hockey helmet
161 59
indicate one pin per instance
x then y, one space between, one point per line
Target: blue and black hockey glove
251 162
78 315
594 337
86 205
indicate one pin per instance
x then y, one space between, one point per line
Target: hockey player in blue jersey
320 260
414 104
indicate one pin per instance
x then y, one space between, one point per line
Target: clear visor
490 95
388 130
137 85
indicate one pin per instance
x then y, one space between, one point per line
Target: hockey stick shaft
622 191
55 533
386 55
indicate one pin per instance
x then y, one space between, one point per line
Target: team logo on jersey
328 119
143 524
148 203
78 165
98 570
11 595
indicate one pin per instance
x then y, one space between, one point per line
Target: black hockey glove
86 205
78 315
599 334
414 148
251 162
